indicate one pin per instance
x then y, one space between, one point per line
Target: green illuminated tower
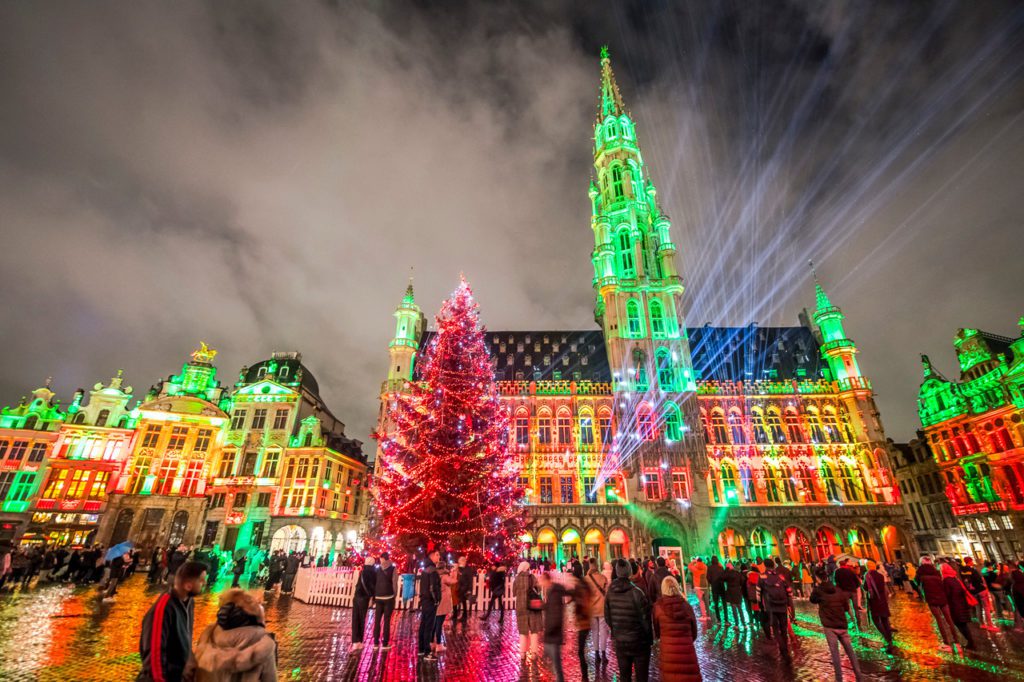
836 348
639 295
409 326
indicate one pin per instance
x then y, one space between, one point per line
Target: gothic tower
639 305
409 327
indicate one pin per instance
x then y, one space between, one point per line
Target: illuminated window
760 432
652 485
546 492
828 481
79 480
263 500
165 479
280 418
617 182
673 425
788 484
635 324
6 481
666 372
98 491
151 437
37 453
657 319
586 430
747 483
604 425
718 428
238 419
567 488
771 479
564 422
176 443
303 471
814 426
627 268
775 427
192 478
645 423
227 463
832 426
589 489
102 417
259 418
680 485
202 443
54 485
17 452
140 470
729 482
544 430
793 430
739 436
522 428
641 379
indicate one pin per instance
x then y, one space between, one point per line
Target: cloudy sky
263 175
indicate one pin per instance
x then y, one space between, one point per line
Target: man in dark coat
496 587
732 591
385 592
165 644
930 582
847 581
465 590
714 582
291 568
554 626
430 597
366 588
654 580
878 603
832 604
776 603
628 614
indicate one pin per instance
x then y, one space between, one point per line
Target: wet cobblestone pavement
62 633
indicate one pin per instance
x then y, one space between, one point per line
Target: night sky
263 175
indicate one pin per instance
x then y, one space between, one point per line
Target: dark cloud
263 175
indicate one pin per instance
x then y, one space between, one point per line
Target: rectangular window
586 431
604 423
589 491
524 483
54 485
217 500
98 491
270 462
6 481
564 430
680 487
544 430
4 445
281 419
18 451
193 476
567 488
303 468
652 485
168 472
238 419
241 499
176 443
290 469
151 437
263 500
202 443
523 430
227 463
259 418
23 487
546 492
37 452
78 483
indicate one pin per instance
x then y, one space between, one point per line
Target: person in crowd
155 561
752 597
629 617
291 569
911 584
449 577
715 584
237 646
276 568
554 626
846 580
496 589
959 600
997 579
117 569
598 582
583 604
365 587
930 581
430 598
833 604
675 626
165 644
529 610
972 579
733 595
384 595
776 603
659 573
238 570
878 603
699 572
463 589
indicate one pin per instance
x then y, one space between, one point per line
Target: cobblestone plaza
63 633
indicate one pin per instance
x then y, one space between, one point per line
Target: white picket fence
337 587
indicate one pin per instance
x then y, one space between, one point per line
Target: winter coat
165 643
465 581
956 595
527 621
931 584
972 579
430 585
654 583
714 573
598 584
385 585
846 580
878 600
699 571
366 583
496 580
554 614
733 586
628 613
447 581
241 654
676 625
583 604
832 603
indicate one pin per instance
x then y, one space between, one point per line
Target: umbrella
118 550
852 559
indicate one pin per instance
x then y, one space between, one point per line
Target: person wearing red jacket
675 624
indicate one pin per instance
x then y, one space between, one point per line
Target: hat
623 568
524 567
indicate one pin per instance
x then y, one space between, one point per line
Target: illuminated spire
611 99
926 366
821 299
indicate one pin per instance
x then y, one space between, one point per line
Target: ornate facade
974 427
921 484
646 433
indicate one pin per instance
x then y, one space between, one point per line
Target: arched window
760 433
814 426
739 436
732 545
806 480
832 426
718 427
771 483
747 483
627 130
522 426
627 269
586 428
611 130
845 426
657 319
617 182
673 425
102 417
564 424
645 422
788 484
853 488
793 430
828 481
775 426
666 372
825 543
762 544
636 325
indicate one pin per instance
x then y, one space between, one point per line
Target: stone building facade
974 426
646 434
921 485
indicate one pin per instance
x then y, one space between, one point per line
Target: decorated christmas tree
448 479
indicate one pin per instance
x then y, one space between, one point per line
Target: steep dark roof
998 344
748 353
290 367
719 353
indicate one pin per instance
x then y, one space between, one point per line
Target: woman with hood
529 621
237 648
959 604
676 625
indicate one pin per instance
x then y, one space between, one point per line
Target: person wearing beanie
628 613
237 646
776 603
878 603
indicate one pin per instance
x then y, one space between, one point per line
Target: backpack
775 593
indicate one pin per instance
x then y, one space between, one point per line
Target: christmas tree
448 478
